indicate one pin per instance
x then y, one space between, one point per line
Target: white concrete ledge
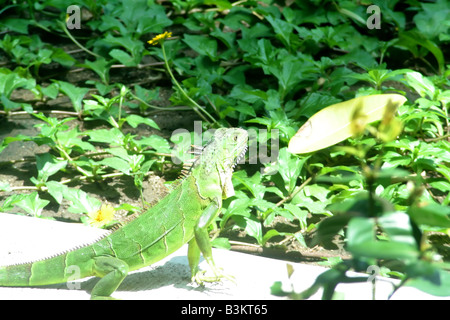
24 239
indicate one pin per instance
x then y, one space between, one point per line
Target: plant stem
63 26
438 138
16 113
196 107
156 107
295 192
289 197
67 157
139 66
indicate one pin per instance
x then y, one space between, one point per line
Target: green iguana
181 217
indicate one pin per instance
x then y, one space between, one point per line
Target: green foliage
252 65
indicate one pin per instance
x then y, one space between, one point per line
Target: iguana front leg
202 244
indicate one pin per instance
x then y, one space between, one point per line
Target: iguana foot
200 278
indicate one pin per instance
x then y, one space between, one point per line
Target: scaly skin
183 216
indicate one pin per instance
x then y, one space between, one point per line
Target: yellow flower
102 216
160 37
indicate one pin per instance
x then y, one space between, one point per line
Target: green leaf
245 109
100 67
123 57
56 190
444 170
251 225
270 234
235 18
134 120
221 243
442 186
139 17
282 29
220 4
360 230
44 56
277 289
11 201
254 229
154 19
143 170
398 227
384 250
330 261
146 95
239 206
47 165
300 214
361 242
289 71
119 152
51 90
9 81
112 136
228 38
412 39
155 142
75 94
16 25
289 167
81 202
433 215
203 45
253 183
428 278
117 163
32 204
9 105
63 58
421 84
330 226
335 123
314 102
70 140
433 19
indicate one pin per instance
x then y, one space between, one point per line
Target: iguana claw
200 278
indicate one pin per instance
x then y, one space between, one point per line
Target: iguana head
214 167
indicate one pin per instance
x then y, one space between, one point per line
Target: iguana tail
58 269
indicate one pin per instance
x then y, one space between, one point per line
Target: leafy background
87 116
